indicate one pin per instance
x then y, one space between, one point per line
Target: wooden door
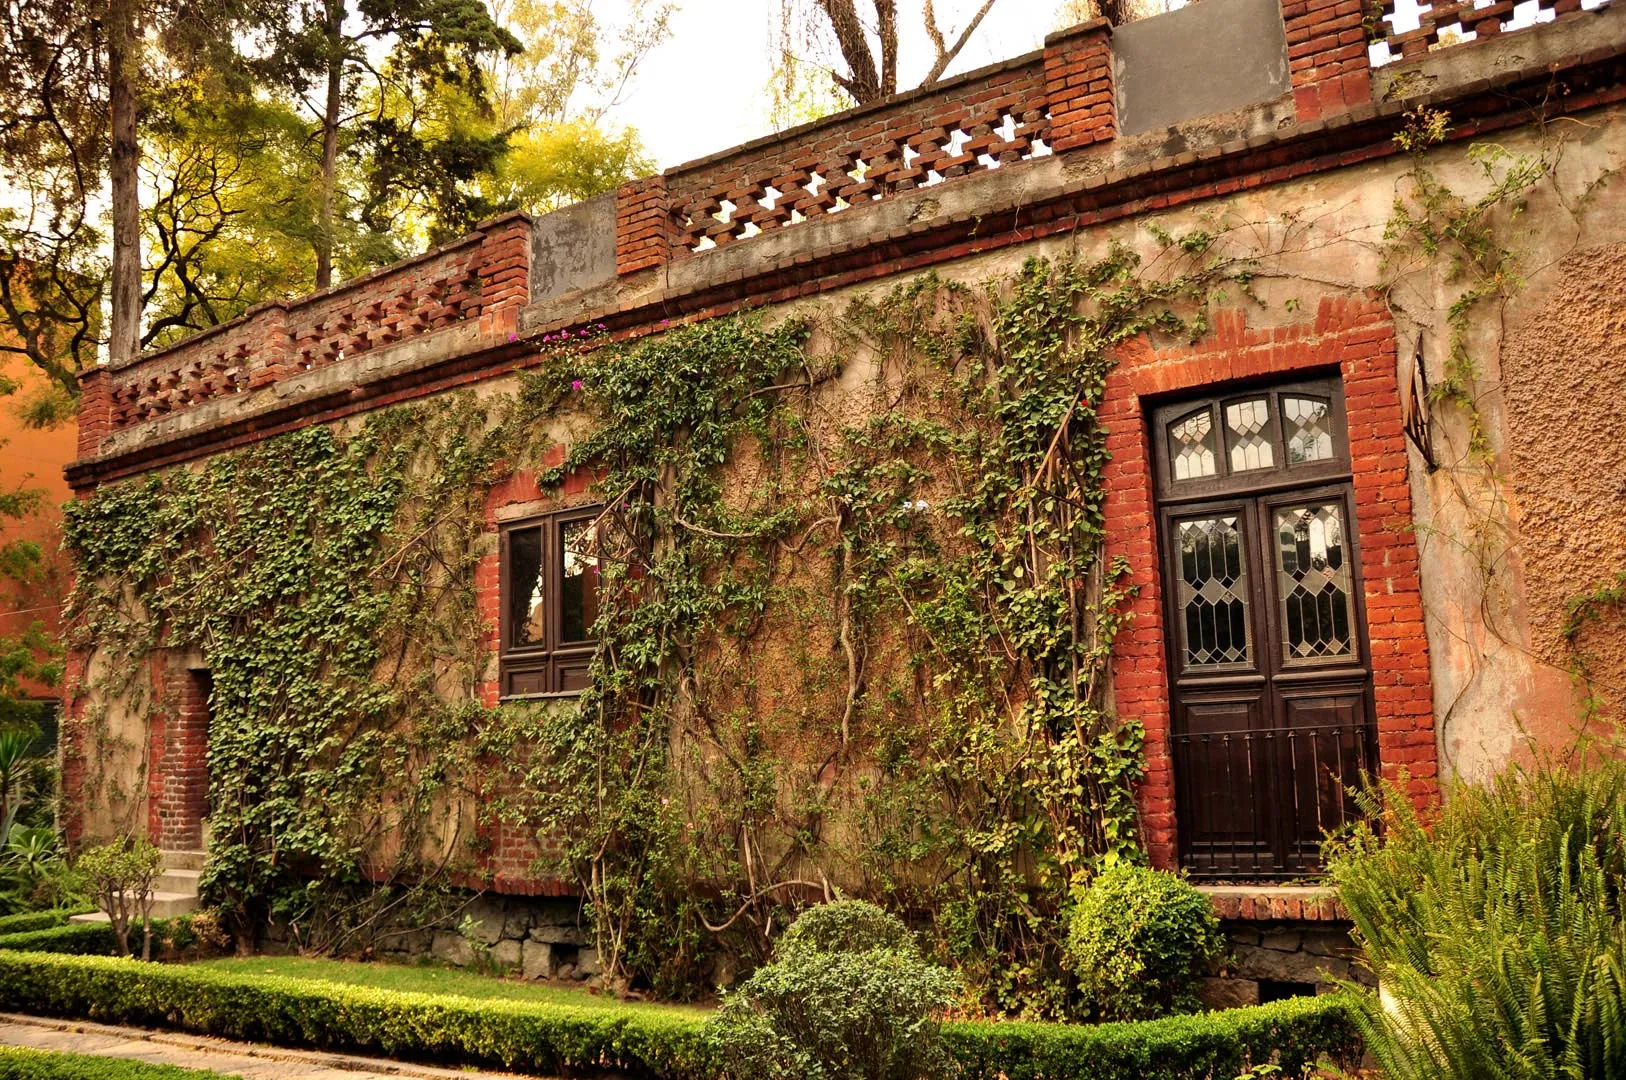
1270 694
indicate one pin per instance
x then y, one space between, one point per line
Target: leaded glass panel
1213 590
1309 429
1314 579
1249 425
1191 446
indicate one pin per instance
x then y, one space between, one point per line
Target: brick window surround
1354 336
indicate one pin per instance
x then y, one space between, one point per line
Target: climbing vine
323 580
854 647
855 618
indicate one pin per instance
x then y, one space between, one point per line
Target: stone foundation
1273 960
535 937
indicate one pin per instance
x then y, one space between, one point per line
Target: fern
1496 932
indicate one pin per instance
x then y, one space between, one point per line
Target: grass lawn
429 979
17 1063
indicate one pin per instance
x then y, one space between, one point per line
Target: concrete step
183 860
179 881
165 905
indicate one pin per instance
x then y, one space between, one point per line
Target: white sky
705 89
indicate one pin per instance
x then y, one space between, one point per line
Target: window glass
578 598
527 614
1248 423
1191 446
1213 590
1309 429
1314 580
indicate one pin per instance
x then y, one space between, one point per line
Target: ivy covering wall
855 626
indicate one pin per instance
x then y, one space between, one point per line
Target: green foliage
120 876
1438 223
1139 940
34 875
19 1063
1292 1033
27 921
559 1040
1496 929
967 633
327 584
99 939
844 926
847 995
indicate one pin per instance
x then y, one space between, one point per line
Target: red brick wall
177 759
1327 56
925 122
642 237
511 851
1350 335
1078 84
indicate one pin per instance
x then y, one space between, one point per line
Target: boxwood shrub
568 1040
25 921
17 1063
78 939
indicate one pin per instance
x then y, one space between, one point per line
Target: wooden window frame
553 668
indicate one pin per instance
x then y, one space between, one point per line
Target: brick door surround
178 766
1354 336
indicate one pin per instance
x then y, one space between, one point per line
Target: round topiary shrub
847 995
1139 940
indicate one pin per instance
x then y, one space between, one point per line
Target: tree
328 48
866 40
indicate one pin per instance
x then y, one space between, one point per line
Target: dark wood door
1270 692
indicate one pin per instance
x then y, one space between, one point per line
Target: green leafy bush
1496 933
1139 940
847 995
120 875
75 939
17 1063
562 1040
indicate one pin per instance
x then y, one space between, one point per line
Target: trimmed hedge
1219 1045
558 1039
77 939
26 921
17 1063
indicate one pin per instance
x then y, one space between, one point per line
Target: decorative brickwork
1078 85
1462 21
1265 903
1327 56
966 125
642 239
483 273
1354 337
177 758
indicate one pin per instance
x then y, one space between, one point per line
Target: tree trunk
330 142
124 340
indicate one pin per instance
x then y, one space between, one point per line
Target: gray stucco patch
573 248
1210 56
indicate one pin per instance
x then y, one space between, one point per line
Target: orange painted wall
35 459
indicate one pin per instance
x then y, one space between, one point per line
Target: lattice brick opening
840 179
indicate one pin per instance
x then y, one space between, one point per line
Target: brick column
642 237
505 262
1326 56
1078 84
178 768
95 410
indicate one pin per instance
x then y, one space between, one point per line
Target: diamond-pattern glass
1309 429
1213 590
1313 575
1248 423
1191 446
